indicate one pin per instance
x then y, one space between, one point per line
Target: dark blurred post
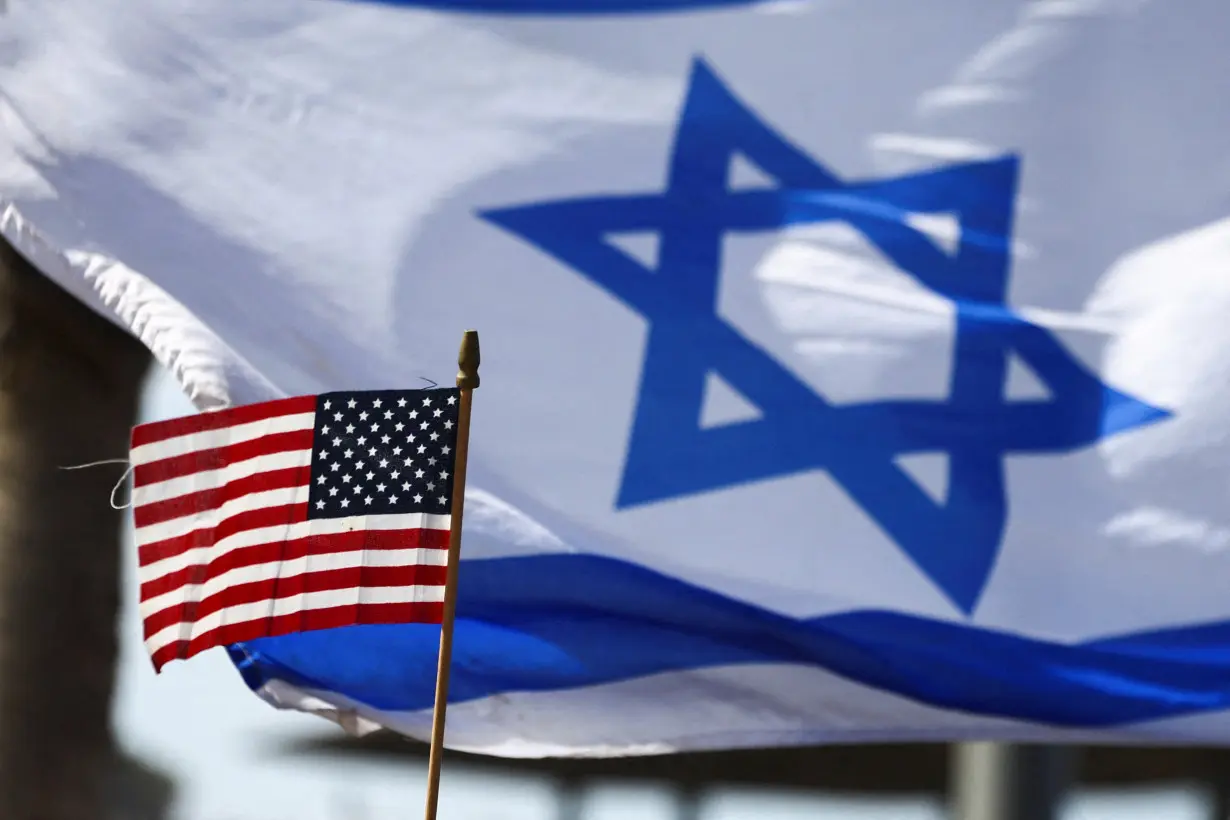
998 781
1219 798
70 384
687 802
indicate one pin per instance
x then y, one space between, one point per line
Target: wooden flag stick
467 380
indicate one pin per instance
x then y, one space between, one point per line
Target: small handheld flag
299 514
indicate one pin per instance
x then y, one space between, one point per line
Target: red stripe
208 536
215 497
273 588
332 618
218 457
217 419
342 542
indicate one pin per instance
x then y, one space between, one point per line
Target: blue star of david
954 543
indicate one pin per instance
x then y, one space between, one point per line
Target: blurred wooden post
687 801
70 386
570 797
998 781
467 380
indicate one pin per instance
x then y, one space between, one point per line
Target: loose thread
118 484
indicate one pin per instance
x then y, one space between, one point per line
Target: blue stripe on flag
551 622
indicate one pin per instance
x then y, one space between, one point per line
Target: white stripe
285 570
242 613
205 519
290 532
210 439
213 479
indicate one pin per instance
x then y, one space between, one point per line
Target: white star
333 466
431 485
384 462
376 403
328 404
324 454
371 451
447 450
345 502
448 425
418 499
444 474
410 437
320 505
396 451
443 500
348 453
367 500
358 465
363 416
414 414
346 478
418 473
392 499
358 488
324 429
423 426
333 491
385 439
349 428
432 461
409 462
427 402
375 427
370 476
361 440
452 399
337 416
434 435
422 448
401 402
379 488
406 486
399 427
320 480
351 404
439 412
337 442
394 475
388 414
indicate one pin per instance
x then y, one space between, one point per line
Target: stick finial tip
467 361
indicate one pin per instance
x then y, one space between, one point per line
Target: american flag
304 513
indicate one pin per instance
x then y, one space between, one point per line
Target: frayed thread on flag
118 484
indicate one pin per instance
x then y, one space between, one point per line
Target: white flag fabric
852 369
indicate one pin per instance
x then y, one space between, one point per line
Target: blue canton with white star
954 543
383 452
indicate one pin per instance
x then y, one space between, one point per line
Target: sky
199 722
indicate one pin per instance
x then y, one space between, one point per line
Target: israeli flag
853 369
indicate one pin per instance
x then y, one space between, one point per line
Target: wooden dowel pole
467 380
